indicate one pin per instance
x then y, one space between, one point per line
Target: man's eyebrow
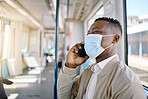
96 28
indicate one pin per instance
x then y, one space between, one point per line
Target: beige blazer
115 81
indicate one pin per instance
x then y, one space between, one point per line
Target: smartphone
81 52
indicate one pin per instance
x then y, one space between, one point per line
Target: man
108 78
2 91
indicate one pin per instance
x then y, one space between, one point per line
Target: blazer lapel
86 75
84 82
109 66
106 72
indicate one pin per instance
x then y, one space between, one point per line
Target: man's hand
73 59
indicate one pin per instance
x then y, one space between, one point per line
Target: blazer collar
109 66
88 73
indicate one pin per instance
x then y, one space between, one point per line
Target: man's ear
116 38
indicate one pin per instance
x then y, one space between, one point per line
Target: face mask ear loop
108 46
111 44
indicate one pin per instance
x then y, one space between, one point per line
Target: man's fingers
82 43
81 60
79 46
73 59
86 57
76 47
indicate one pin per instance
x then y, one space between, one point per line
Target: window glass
98 14
6 38
24 42
137 30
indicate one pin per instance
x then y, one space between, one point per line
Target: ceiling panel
12 14
39 9
50 23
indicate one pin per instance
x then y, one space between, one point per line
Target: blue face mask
93 46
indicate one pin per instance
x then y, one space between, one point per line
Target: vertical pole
125 32
67 8
56 48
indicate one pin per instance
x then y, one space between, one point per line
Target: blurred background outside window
137 30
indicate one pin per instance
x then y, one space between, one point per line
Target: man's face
102 28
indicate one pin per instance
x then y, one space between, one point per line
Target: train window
137 30
24 42
6 39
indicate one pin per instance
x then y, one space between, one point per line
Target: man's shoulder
125 80
128 73
124 76
130 86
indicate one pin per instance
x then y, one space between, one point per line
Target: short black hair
111 21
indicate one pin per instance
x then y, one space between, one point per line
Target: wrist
69 71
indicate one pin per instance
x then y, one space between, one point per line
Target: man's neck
103 57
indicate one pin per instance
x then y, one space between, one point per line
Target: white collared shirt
93 80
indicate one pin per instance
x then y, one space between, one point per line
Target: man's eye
96 31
